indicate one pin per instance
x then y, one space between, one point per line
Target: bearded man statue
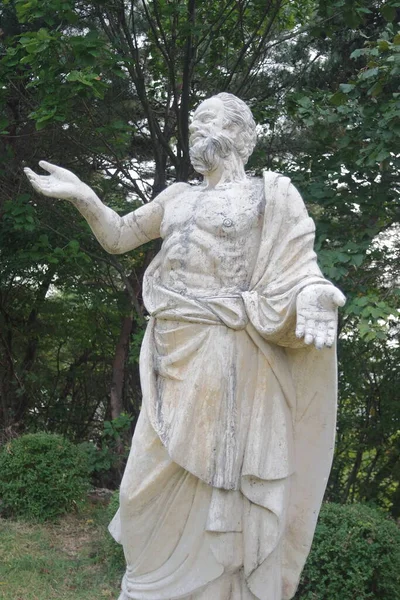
233 446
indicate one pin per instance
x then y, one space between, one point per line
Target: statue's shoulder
179 186
280 191
274 178
276 187
172 191
176 188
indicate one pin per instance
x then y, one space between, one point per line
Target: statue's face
208 141
207 120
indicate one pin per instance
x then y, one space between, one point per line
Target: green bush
42 475
113 550
107 458
355 556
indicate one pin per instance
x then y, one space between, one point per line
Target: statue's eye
207 118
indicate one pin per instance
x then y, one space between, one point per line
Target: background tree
106 89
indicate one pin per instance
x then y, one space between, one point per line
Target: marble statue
233 446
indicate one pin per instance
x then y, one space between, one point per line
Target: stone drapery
233 447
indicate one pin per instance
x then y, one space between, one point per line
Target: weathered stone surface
233 447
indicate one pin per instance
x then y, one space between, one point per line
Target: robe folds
233 447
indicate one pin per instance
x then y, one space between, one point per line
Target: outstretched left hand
317 314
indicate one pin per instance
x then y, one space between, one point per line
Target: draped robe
234 443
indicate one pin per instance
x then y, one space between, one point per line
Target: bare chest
228 213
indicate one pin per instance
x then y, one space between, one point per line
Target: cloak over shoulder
286 264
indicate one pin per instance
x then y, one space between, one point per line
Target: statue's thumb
47 166
339 298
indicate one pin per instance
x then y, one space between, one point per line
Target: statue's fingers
309 331
308 338
38 182
300 325
44 179
35 184
338 298
50 168
32 176
29 173
44 185
331 334
321 335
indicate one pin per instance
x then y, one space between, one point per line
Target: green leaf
388 12
367 73
376 89
383 45
304 101
74 245
357 53
357 259
338 98
382 155
346 88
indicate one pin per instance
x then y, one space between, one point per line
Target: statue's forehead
211 104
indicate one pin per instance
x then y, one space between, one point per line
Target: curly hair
238 114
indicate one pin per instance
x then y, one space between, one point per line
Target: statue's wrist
82 196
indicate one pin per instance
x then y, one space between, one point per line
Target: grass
67 560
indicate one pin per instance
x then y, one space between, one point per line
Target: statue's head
222 126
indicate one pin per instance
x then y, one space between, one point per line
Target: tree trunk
4 413
22 404
183 121
118 367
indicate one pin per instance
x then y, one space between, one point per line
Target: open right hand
61 183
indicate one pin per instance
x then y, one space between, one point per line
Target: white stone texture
232 451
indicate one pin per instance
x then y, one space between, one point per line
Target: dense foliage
42 476
355 554
106 89
107 458
113 550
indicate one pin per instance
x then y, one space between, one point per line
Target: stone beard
207 150
233 447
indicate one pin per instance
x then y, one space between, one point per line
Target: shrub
355 556
42 475
107 458
113 550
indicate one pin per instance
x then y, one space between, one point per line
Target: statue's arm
316 303
291 303
115 233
